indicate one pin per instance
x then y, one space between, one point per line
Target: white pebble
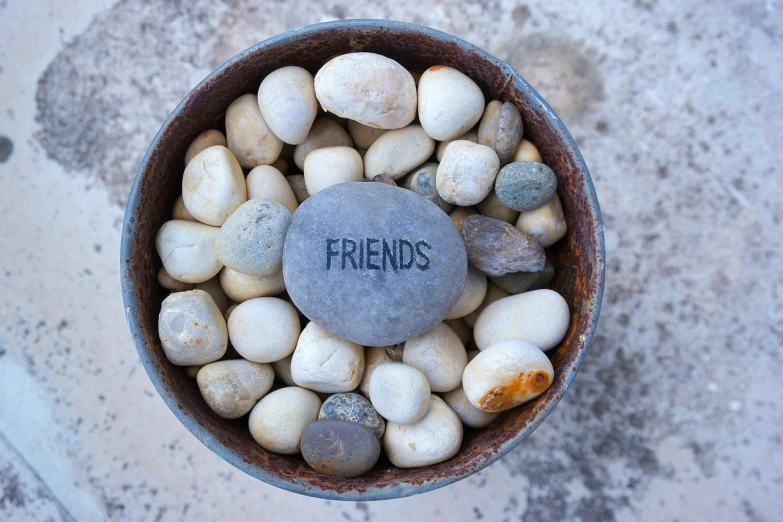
400 393
506 375
369 88
192 330
494 293
264 329
287 102
439 354
213 185
540 317
450 103
279 419
434 438
467 413
231 388
546 223
187 250
398 152
325 132
472 295
471 135
266 182
248 136
169 283
325 362
467 173
374 356
205 140
331 166
242 287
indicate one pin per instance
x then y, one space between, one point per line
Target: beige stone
242 287
331 166
399 392
472 296
213 185
494 293
187 250
527 152
439 354
467 173
279 419
231 388
264 329
362 135
215 290
325 362
191 328
248 135
208 138
467 413
169 283
471 135
450 103
374 356
492 207
180 211
398 152
287 102
267 182
325 132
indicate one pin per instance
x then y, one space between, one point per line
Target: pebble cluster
358 263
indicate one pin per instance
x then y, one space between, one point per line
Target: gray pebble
498 248
372 263
339 448
518 282
501 129
297 183
422 181
251 239
352 407
525 185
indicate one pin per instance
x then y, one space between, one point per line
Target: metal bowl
579 258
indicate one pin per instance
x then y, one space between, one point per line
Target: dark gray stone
525 185
502 130
352 407
297 183
373 295
518 282
497 248
340 448
251 239
422 181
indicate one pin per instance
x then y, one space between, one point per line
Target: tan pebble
398 152
264 329
266 182
187 250
374 356
169 283
472 296
494 293
434 438
213 185
279 419
180 211
459 214
242 287
467 173
362 135
325 362
343 83
192 371
540 317
282 370
492 207
325 132
507 374
205 140
287 102
232 388
331 166
439 354
282 165
248 135
192 330
450 103
546 223
215 290
527 152
471 135
467 413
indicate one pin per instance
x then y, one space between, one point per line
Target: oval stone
339 448
352 407
372 263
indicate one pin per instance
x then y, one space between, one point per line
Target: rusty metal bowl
579 258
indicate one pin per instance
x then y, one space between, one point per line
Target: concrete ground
676 413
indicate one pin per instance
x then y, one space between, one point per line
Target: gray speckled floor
676 414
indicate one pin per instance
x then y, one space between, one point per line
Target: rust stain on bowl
579 258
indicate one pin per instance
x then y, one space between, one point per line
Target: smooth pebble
540 317
169 283
331 166
492 207
325 362
434 438
248 135
472 295
398 152
527 152
467 413
525 185
298 185
216 292
187 250
340 449
180 211
264 329
374 356
450 103
497 248
471 135
287 102
279 419
283 370
191 329
208 138
325 132
518 282
267 182
506 375
439 354
362 135
546 223
501 129
459 214
213 185
467 173
400 393
232 388
494 293
241 287
422 182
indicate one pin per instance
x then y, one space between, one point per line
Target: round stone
339 448
241 287
372 263
215 290
398 152
492 207
375 356
169 283
450 103
326 363
231 388
466 173
467 413
208 138
494 293
497 248
325 132
278 421
267 182
248 135
187 250
352 407
422 182
287 101
546 223
264 330
439 354
527 152
472 295
362 135
251 240
330 166
192 330
525 185
400 393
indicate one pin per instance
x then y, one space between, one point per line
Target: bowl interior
578 258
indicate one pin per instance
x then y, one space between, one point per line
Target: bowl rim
397 490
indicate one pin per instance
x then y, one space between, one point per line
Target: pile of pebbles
358 263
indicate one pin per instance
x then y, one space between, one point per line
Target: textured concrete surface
676 414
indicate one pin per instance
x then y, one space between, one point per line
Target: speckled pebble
352 407
422 182
192 330
497 248
232 388
525 185
251 240
340 449
501 129
518 282
298 185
